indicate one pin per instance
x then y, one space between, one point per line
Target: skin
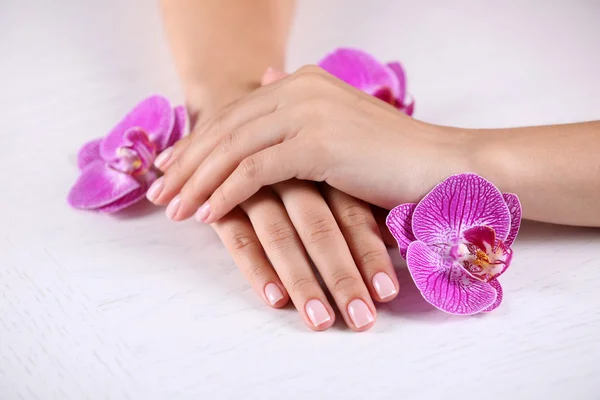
312 126
275 234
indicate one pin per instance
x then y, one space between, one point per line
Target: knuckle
371 257
175 170
341 280
243 242
280 234
299 284
309 78
256 269
229 142
249 168
320 229
309 69
354 215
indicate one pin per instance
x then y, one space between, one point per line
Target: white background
137 307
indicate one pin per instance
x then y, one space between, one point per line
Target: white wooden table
138 307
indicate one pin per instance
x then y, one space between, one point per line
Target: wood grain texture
136 307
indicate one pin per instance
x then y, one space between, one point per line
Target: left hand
310 126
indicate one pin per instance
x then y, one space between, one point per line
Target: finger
275 164
327 248
170 154
357 223
222 161
284 248
206 138
237 234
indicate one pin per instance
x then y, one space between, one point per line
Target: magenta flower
363 71
117 170
456 242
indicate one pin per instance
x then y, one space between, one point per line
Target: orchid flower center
480 253
137 157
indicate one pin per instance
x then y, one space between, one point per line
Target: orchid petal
136 154
491 257
153 115
89 153
133 197
457 204
516 213
99 185
481 236
178 127
445 285
499 295
408 107
397 69
382 93
361 70
399 222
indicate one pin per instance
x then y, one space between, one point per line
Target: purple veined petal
178 127
153 114
133 197
398 222
89 153
445 285
459 203
99 185
499 295
516 213
397 69
360 69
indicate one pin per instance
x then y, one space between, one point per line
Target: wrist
204 99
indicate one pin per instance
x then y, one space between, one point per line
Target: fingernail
203 212
383 285
360 313
155 189
273 293
163 157
173 207
317 312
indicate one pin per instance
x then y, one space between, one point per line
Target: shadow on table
141 209
409 303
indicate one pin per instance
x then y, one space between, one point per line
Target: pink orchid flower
117 170
387 82
456 242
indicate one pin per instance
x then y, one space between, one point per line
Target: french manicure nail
203 212
173 207
317 312
155 189
163 157
273 293
360 313
383 285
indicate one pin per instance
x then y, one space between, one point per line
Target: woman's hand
274 235
309 126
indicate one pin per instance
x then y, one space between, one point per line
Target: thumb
272 75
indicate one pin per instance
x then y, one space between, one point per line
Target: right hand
275 234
